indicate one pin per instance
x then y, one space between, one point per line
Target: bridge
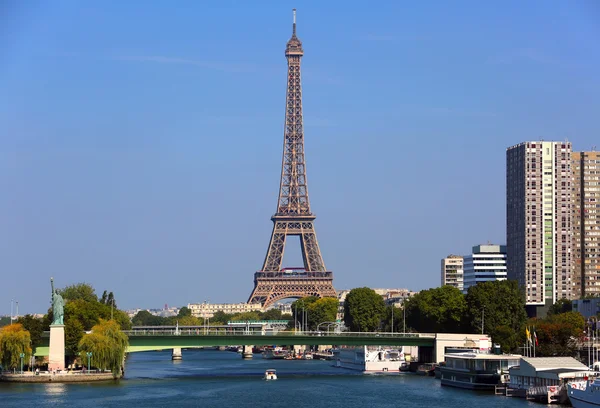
164 338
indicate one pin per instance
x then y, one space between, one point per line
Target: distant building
487 263
390 296
586 223
208 310
452 271
587 307
539 233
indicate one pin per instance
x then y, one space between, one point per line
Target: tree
184 311
145 318
301 310
245 316
398 316
559 334
104 298
271 314
483 303
108 344
220 318
110 300
323 310
4 321
35 327
561 306
189 321
73 333
79 291
14 340
437 310
363 310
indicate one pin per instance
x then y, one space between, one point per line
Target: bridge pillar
247 351
176 354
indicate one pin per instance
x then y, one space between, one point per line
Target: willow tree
14 340
108 344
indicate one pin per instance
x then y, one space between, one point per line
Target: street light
22 355
393 318
89 356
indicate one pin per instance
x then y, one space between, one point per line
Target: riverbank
46 377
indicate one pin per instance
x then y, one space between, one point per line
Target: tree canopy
79 291
558 334
363 310
14 340
108 344
436 310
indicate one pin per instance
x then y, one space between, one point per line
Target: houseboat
370 359
477 371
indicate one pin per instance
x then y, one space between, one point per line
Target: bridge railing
241 333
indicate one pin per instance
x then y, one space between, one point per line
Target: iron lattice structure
293 216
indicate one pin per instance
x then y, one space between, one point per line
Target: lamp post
393 318
89 356
482 318
404 318
22 355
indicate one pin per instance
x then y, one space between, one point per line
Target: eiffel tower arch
293 216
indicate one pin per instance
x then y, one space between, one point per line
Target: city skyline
127 153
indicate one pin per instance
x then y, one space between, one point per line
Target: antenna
294 32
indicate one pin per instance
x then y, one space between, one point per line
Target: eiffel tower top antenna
294 31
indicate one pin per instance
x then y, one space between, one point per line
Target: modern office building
486 263
586 223
452 271
539 232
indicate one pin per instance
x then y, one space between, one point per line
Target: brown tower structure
293 216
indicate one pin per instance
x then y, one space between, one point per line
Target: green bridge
164 339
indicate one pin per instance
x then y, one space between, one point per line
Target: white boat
270 374
584 394
276 353
477 371
370 359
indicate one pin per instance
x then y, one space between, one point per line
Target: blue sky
140 142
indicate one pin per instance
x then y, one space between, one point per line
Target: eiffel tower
293 217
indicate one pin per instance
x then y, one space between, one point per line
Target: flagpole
534 340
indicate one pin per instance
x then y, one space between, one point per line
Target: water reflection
55 392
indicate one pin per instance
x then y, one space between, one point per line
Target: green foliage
108 344
184 311
14 340
245 316
220 318
74 331
508 339
145 318
437 310
503 305
79 291
561 306
323 310
4 321
398 316
363 310
271 314
35 327
189 321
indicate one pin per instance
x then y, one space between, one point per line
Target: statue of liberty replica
56 360
57 305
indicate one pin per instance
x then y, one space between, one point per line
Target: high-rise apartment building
538 220
452 271
486 263
586 223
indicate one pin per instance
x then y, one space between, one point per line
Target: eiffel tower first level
293 217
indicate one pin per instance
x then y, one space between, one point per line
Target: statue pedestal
57 347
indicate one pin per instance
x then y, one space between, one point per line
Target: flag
535 337
527 335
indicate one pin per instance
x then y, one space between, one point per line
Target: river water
208 378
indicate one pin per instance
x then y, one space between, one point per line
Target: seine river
222 379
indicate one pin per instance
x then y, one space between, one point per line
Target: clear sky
140 141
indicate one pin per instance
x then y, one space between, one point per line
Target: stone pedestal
56 357
176 354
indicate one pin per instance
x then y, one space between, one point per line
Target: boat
405 366
477 371
427 369
270 374
307 356
369 359
276 353
584 394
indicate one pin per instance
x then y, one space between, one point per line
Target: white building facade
487 263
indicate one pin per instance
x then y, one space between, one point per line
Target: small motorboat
270 374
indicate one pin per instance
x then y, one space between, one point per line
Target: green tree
323 310
483 303
108 344
559 334
561 306
398 316
242 317
271 314
104 298
14 340
145 318
110 300
437 310
35 327
79 291
301 310
184 311
73 333
189 321
363 310
4 321
220 318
